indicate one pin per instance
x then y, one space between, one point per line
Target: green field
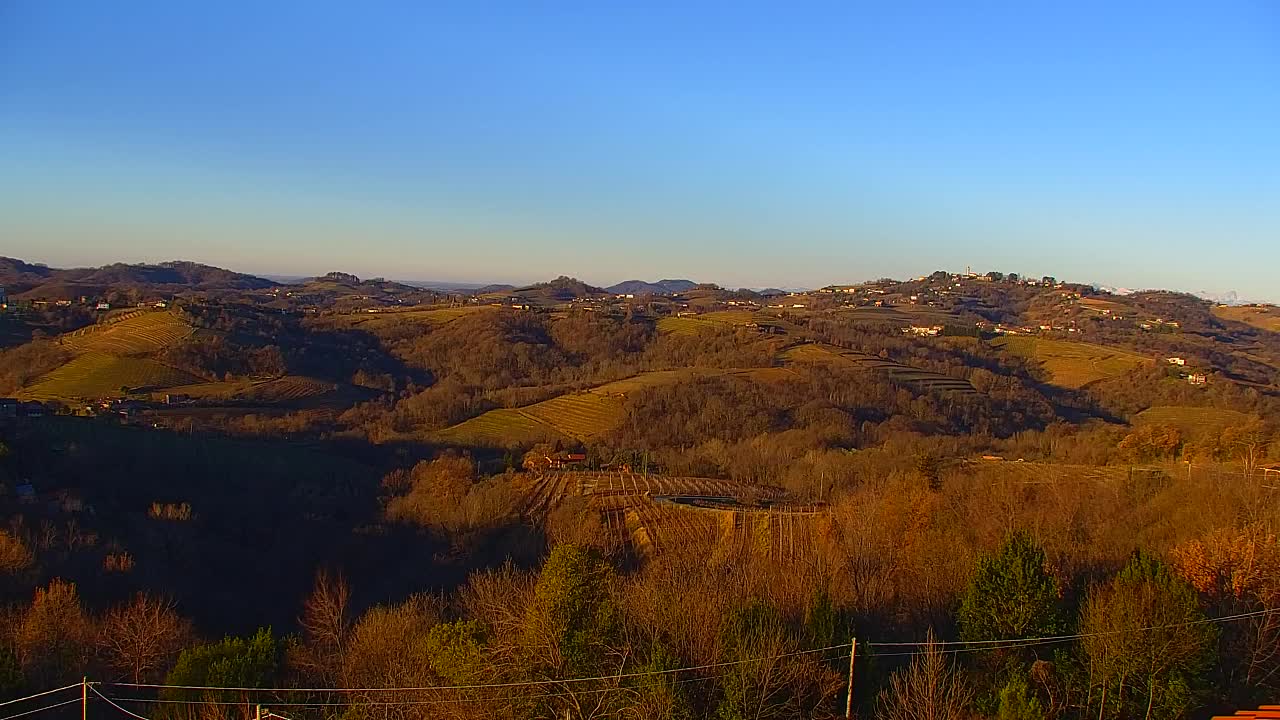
1191 421
95 375
1073 364
135 333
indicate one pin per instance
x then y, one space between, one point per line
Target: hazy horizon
789 147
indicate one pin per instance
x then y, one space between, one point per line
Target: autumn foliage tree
1238 572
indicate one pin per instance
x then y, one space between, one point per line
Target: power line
126 711
39 694
965 647
49 707
401 703
527 683
1078 636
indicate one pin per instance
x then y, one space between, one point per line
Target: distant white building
1176 361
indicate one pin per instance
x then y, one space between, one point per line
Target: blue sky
1133 144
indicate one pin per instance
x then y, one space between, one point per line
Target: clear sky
1129 143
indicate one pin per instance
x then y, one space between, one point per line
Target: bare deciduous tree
140 639
931 688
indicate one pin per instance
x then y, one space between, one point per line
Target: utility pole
84 698
848 703
257 712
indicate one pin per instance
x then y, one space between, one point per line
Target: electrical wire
1078 636
32 712
113 704
528 683
39 694
950 647
405 703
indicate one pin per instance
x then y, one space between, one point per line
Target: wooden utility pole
848 702
257 712
84 698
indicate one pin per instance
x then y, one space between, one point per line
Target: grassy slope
1191 421
1263 318
95 375
1073 364
578 415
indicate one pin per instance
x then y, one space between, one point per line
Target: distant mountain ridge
20 277
661 287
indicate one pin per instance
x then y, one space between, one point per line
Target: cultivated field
1266 317
898 315
647 513
135 333
1098 305
925 379
579 415
94 375
1191 421
432 317
684 325
499 428
1073 364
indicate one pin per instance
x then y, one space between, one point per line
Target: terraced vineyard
1191 421
94 375
1034 473
650 513
579 415
135 333
1074 364
924 379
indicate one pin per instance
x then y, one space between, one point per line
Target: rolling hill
661 287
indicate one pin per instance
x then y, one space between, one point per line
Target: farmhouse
923 330
535 462
1197 379
1176 361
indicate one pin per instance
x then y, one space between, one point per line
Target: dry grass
1074 364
